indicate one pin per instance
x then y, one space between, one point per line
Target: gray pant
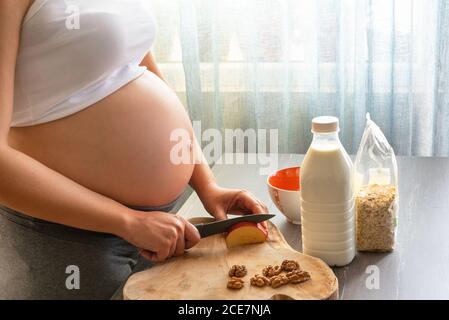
37 258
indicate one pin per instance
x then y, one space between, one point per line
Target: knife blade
216 227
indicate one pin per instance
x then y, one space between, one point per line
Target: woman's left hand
220 202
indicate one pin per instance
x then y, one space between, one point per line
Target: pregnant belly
120 146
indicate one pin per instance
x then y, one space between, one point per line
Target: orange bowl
285 190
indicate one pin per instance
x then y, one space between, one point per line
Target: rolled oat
376 217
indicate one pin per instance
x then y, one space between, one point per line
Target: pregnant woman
86 179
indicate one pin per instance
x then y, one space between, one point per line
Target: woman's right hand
160 235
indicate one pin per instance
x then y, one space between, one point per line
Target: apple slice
245 233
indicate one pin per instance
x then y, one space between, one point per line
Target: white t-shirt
74 53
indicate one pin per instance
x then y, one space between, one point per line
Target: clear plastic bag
376 188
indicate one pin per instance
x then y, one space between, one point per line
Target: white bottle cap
325 124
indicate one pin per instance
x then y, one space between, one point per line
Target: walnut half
289 265
298 276
260 281
271 271
235 283
237 271
279 280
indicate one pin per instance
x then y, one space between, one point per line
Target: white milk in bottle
327 199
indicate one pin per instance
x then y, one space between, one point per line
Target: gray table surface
419 266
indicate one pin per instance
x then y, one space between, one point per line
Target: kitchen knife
211 228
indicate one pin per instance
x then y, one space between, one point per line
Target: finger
220 214
148 255
163 254
180 246
252 204
172 250
265 210
179 233
237 204
264 224
192 236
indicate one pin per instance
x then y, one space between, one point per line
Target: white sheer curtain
278 63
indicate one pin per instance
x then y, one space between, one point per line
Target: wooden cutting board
202 273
